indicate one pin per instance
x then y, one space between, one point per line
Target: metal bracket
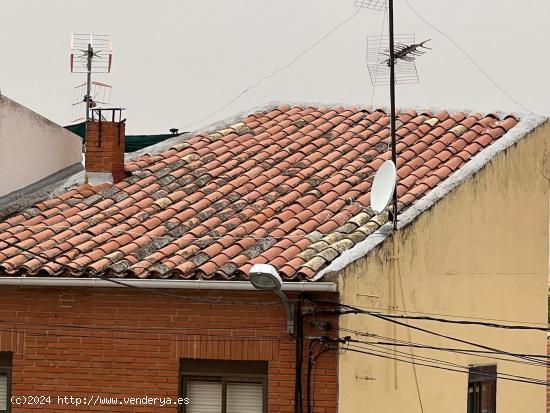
290 313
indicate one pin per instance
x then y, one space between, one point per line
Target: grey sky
177 61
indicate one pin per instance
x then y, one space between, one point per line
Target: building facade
35 151
479 254
179 229
110 349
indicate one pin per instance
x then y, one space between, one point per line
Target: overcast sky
177 61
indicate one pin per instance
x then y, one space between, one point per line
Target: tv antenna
91 53
393 62
100 94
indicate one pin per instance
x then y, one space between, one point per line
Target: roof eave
159 284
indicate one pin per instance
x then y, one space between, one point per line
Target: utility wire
459 351
471 343
455 315
178 336
381 316
130 330
477 353
396 262
358 349
472 60
437 361
275 71
420 345
462 322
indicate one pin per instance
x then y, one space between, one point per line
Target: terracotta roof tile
289 186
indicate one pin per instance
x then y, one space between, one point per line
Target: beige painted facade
479 253
32 147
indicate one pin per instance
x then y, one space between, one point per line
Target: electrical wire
455 316
430 359
275 71
376 353
471 343
461 322
310 369
459 351
465 53
312 363
185 237
355 310
178 336
408 329
117 329
479 353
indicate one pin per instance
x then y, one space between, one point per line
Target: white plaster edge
526 126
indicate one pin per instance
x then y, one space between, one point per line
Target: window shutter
204 397
3 392
245 398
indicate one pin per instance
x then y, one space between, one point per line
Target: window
218 386
482 389
5 381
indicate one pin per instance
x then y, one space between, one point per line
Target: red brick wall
105 143
108 357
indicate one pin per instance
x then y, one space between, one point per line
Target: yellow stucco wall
480 252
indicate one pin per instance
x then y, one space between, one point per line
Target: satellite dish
383 187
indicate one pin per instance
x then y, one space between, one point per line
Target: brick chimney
105 141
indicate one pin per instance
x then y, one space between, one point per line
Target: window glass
471 405
244 398
205 397
488 396
482 387
224 386
3 392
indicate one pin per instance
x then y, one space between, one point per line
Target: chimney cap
100 115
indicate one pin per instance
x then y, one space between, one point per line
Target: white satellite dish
383 187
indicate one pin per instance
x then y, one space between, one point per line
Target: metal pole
392 106
394 160
89 81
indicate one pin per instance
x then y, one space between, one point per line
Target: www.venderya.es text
95 400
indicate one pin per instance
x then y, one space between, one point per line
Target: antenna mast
402 69
88 97
90 53
392 109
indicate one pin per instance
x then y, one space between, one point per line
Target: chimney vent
105 142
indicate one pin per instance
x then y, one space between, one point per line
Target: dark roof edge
525 127
29 195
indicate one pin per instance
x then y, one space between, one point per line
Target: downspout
298 407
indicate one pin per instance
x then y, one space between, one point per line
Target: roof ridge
238 116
